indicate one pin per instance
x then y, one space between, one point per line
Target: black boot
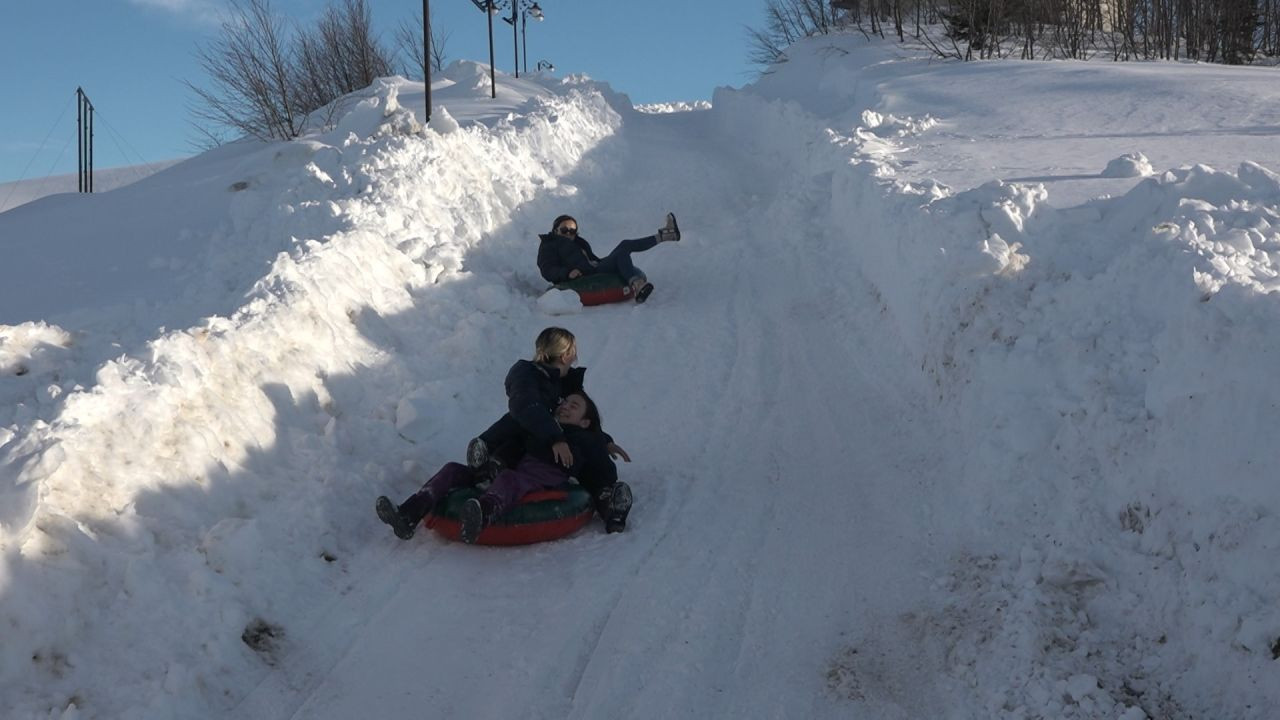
391 515
477 514
613 505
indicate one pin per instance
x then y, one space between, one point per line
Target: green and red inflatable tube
599 289
540 516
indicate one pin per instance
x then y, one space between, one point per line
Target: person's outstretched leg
619 261
507 488
404 518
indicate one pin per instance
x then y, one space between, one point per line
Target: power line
116 139
48 135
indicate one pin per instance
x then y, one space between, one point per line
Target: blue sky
132 56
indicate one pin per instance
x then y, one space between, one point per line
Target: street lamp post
490 11
519 21
486 7
426 54
536 12
515 37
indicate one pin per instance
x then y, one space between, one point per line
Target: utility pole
493 80
515 36
426 54
84 141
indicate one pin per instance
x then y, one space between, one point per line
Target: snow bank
134 512
671 107
1104 370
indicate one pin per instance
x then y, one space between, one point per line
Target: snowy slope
908 441
21 192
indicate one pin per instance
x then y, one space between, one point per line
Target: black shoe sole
643 293
477 453
472 517
390 514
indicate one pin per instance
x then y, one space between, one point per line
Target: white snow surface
19 192
928 417
1128 165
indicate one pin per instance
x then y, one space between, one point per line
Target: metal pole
426 54
79 140
493 80
515 36
90 145
524 39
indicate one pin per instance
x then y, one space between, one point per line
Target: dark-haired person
534 391
542 466
564 255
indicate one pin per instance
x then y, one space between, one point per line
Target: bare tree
409 43
250 69
787 21
339 56
266 83
1225 31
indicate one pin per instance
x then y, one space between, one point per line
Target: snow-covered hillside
947 405
21 192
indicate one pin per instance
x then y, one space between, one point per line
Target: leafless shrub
265 82
338 56
408 40
250 69
1224 31
787 21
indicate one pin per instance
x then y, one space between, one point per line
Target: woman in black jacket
564 255
585 456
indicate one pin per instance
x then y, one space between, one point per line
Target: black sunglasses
564 230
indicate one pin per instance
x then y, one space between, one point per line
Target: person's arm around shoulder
526 405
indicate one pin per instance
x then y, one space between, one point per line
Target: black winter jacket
533 394
557 255
592 466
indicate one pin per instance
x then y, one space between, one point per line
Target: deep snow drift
910 440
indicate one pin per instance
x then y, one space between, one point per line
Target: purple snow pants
508 487
528 475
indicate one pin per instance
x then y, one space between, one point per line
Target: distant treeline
1223 31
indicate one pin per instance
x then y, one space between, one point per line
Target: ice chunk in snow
1081 686
413 420
1128 165
232 545
560 302
442 122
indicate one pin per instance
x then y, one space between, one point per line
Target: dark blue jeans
619 262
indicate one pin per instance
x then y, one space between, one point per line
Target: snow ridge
1096 424
203 401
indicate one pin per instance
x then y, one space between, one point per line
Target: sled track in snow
327 636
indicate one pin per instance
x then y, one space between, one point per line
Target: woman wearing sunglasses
565 255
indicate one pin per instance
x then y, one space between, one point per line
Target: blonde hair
552 344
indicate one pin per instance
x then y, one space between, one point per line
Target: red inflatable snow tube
599 289
540 516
